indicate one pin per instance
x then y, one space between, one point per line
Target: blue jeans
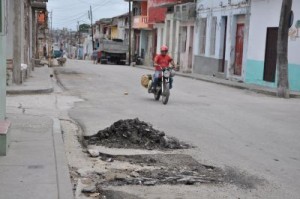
156 77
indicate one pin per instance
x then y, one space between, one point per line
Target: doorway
239 48
190 58
224 43
271 55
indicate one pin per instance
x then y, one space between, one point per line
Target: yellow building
114 32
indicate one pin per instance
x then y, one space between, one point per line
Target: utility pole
282 49
91 17
78 35
130 29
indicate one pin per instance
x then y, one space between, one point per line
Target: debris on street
134 134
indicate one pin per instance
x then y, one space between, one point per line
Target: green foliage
84 28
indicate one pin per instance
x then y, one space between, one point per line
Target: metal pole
130 29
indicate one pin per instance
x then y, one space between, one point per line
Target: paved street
250 132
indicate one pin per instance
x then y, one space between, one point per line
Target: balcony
166 3
185 12
140 22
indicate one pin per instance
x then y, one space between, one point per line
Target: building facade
177 32
221 38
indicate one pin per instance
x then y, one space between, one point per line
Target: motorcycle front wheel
166 94
157 95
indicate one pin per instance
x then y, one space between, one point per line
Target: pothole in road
173 169
163 169
134 134
96 176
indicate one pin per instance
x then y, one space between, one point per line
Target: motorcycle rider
161 61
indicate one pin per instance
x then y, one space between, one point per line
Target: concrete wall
160 36
186 59
208 9
257 42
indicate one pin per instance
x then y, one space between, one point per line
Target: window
168 32
183 39
203 23
213 36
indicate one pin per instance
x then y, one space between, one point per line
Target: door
271 55
190 58
222 69
154 45
239 47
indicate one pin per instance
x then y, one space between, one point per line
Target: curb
28 92
64 185
48 88
266 92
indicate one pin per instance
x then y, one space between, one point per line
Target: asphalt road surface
250 132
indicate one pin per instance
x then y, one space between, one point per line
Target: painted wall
257 42
170 37
156 14
186 52
160 32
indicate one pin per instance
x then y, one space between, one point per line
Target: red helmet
164 48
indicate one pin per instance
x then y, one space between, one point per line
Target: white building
221 38
262 50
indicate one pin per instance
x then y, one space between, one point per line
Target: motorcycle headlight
167 74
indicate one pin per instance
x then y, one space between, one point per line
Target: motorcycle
163 85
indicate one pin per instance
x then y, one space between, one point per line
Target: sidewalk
234 84
38 82
35 166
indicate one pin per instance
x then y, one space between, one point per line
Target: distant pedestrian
94 56
45 51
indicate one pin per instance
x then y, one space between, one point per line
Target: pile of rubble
134 134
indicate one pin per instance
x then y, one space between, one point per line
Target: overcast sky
66 13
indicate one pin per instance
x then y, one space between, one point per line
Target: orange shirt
162 60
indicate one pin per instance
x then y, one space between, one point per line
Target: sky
66 13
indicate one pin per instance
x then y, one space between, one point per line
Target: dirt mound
134 134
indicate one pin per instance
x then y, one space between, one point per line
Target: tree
282 49
84 28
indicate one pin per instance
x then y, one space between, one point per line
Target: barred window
213 36
203 24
